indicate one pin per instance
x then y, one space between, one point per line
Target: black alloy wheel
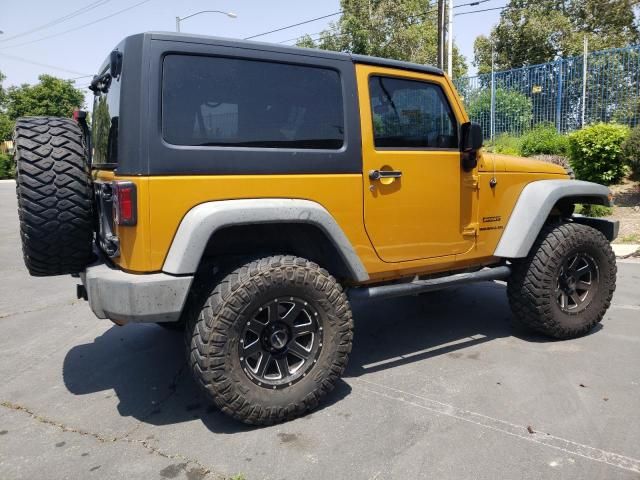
280 343
577 282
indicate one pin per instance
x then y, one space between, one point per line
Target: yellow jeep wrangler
248 192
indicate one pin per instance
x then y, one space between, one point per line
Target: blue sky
83 50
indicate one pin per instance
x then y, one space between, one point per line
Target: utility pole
585 53
492 118
450 40
441 34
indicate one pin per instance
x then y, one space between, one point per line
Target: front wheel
271 339
564 287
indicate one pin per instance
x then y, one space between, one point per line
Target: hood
510 163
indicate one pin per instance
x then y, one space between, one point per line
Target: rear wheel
271 339
55 197
564 287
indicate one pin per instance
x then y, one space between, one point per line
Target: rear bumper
126 297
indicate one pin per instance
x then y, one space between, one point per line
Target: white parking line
626 307
502 426
443 346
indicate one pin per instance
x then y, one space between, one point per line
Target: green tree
400 29
50 96
2 92
532 32
6 125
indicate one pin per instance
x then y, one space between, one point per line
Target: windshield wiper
100 83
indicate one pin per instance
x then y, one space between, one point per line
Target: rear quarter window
104 127
231 102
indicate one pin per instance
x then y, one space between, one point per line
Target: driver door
418 201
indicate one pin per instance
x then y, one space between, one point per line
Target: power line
480 11
328 35
301 36
309 35
24 60
423 16
294 25
78 27
57 21
472 4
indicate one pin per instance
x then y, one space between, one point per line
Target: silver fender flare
202 221
533 207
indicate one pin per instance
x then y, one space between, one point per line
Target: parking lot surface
438 386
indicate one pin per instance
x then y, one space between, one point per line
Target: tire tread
209 321
55 197
531 283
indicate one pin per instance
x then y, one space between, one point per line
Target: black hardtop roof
274 47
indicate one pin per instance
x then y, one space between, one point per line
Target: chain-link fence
563 93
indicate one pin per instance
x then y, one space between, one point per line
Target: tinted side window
411 114
215 101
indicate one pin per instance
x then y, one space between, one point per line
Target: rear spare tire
53 185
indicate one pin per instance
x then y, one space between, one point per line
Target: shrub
556 160
7 167
513 111
595 152
505 143
543 139
631 150
594 210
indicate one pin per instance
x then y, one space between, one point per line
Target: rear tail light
125 211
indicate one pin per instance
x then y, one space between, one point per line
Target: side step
422 286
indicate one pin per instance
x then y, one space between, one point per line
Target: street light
228 14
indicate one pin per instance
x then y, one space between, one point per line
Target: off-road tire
213 335
533 281
55 198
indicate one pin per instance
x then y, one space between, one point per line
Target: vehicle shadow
145 366
403 330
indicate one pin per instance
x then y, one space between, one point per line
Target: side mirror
115 64
470 143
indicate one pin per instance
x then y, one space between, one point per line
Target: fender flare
533 207
202 221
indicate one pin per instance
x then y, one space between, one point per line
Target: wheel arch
538 201
265 225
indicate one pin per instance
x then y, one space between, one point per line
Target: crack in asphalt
201 468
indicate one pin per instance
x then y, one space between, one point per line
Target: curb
625 250
7 181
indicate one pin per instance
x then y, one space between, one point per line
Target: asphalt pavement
438 386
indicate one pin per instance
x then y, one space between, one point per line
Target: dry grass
627 210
